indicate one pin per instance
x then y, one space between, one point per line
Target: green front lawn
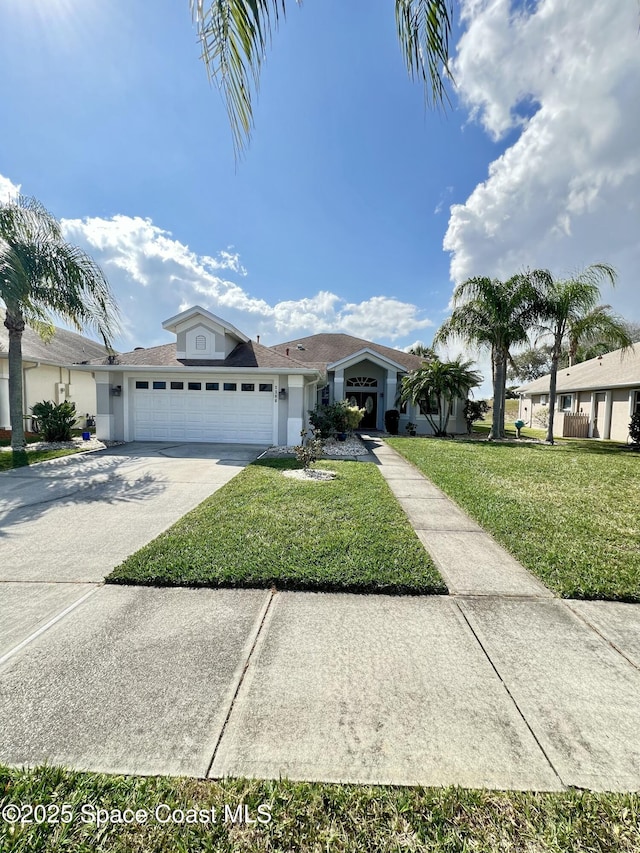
308 817
10 460
569 513
264 529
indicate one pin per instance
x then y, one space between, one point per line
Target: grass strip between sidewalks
263 529
308 817
568 512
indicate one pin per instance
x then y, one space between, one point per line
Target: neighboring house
215 384
49 371
595 399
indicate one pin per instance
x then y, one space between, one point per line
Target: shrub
55 422
353 415
309 449
474 410
634 428
338 417
542 416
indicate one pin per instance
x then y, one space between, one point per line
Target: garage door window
248 386
177 386
212 386
141 384
265 386
230 386
159 386
194 386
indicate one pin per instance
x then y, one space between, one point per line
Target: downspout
25 396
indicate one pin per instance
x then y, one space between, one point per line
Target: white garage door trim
204 409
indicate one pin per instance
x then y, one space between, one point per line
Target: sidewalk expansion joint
263 619
511 696
57 618
597 631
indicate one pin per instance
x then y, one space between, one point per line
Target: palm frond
234 36
424 29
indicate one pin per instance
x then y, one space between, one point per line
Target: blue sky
354 209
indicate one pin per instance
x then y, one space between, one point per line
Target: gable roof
328 347
64 348
617 369
245 355
171 325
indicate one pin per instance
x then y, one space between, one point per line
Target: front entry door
367 400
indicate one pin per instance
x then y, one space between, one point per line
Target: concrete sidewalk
495 692
470 561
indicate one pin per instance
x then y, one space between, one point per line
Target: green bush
474 410
634 428
338 417
55 422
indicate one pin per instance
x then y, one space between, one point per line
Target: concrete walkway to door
470 561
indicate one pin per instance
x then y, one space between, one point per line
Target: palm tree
423 351
597 332
435 386
234 36
569 312
496 315
42 275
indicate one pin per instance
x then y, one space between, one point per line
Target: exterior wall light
116 390
282 394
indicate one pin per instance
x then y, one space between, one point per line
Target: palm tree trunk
499 384
14 322
553 381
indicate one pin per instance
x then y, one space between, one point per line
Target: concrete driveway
67 523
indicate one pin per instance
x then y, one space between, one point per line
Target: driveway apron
67 523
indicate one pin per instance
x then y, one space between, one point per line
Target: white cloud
154 275
565 193
8 189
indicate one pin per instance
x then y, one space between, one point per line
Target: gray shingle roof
327 347
64 348
614 369
245 355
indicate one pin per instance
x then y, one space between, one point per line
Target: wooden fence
575 426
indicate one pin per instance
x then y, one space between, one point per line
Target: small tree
310 448
435 386
474 410
634 428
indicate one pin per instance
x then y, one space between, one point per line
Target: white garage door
236 409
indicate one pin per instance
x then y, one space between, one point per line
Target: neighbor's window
141 384
212 386
230 386
159 386
194 386
201 342
248 386
265 386
177 386
565 402
636 403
